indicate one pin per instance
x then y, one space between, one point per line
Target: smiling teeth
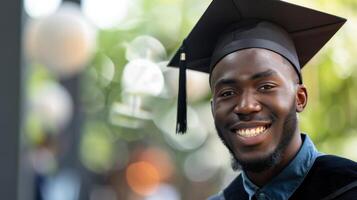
251 132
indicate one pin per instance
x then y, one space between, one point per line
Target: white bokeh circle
145 47
41 8
196 133
105 13
142 77
198 166
164 192
53 105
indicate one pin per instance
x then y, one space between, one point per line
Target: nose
247 104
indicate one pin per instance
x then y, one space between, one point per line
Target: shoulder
334 168
331 161
347 192
328 174
218 196
234 191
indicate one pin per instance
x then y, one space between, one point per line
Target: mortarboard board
295 32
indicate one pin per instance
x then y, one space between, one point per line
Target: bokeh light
197 84
167 19
145 47
161 160
97 147
64 185
165 192
63 41
342 53
196 133
43 161
204 111
41 8
104 69
52 105
142 77
143 178
105 13
199 166
128 116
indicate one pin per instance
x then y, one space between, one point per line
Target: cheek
221 118
222 110
281 103
287 102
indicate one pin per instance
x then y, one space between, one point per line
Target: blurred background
89 107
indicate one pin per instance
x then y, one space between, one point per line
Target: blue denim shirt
287 181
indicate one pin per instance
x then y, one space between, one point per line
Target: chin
258 164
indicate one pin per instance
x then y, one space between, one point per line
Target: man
254 51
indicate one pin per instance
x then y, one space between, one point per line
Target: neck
262 178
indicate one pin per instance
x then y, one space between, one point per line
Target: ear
212 106
301 98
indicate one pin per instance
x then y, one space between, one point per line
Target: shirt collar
289 179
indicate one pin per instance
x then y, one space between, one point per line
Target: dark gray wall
10 95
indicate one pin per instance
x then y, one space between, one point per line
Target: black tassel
181 124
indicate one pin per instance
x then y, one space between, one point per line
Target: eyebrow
225 81
259 75
263 74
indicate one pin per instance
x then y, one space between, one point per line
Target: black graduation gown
331 177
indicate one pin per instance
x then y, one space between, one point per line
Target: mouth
248 131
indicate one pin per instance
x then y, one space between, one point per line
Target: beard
267 161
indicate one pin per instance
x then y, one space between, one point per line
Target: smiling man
254 51
255 100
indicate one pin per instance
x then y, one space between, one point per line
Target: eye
266 87
227 93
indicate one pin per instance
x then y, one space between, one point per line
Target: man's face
254 106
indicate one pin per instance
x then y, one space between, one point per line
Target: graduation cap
295 32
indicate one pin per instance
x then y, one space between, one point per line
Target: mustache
255 117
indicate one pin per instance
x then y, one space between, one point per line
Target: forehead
245 63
